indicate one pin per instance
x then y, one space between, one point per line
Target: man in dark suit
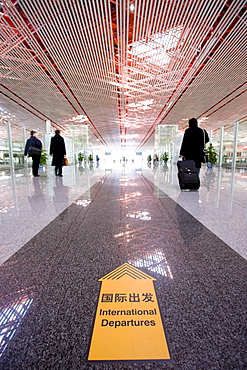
33 141
58 151
193 143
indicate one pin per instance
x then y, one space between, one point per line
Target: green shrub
212 155
43 158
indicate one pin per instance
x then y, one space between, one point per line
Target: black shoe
36 175
60 175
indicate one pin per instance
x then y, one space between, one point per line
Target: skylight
157 50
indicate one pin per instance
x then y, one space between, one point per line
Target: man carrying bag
33 149
193 144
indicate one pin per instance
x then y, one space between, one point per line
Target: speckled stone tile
201 281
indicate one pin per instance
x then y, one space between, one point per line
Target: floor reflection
154 261
37 199
12 315
61 195
141 215
82 202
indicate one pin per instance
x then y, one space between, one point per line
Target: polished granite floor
60 235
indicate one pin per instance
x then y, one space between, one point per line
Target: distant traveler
33 149
193 143
58 151
155 159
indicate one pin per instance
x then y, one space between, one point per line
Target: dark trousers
35 166
58 170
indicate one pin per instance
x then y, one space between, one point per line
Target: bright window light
79 118
157 49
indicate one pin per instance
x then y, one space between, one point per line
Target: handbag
65 161
34 150
204 154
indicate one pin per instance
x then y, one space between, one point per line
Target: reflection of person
61 197
37 200
193 143
58 151
188 205
34 141
209 178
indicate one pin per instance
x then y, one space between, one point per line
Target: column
221 146
24 139
48 126
11 159
235 145
210 134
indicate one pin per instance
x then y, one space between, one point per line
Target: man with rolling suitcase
192 151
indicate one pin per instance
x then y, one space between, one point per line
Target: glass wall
167 140
79 134
228 144
164 140
4 147
17 146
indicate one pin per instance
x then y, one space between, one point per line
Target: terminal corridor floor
50 287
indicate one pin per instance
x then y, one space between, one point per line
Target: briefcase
34 150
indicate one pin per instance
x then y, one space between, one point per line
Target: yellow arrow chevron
128 324
126 269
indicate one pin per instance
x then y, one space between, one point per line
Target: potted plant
43 158
90 158
165 157
212 156
16 157
80 158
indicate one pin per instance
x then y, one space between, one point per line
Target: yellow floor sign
128 324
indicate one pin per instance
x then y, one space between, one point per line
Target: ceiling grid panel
175 91
227 52
223 53
65 58
163 111
199 62
73 96
25 81
123 67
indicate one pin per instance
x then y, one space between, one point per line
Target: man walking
193 143
58 151
33 149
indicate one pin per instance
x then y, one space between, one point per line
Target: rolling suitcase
187 175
